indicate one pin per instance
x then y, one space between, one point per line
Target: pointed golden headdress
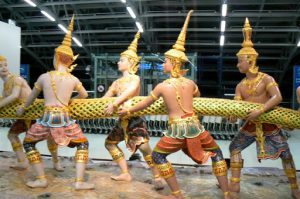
248 47
131 53
2 58
65 47
178 48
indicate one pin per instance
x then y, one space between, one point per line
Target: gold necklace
8 85
253 84
61 75
120 87
53 85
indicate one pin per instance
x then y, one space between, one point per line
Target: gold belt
175 120
56 109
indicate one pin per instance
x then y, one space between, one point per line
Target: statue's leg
17 128
111 144
146 151
81 159
290 171
239 143
35 161
219 168
118 157
163 148
53 149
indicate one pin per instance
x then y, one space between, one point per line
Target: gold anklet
294 186
226 193
79 179
176 192
233 179
124 171
156 176
41 177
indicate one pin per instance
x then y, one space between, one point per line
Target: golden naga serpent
93 108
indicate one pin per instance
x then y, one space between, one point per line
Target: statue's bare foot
234 187
39 183
122 177
295 194
83 186
21 166
57 166
158 184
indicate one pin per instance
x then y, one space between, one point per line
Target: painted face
124 64
167 65
3 68
242 64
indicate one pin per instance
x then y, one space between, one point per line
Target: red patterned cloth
250 127
198 148
20 126
61 135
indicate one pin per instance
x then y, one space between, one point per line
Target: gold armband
111 89
18 84
37 87
153 96
196 90
270 85
262 109
78 86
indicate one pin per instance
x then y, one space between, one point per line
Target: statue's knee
83 146
12 137
29 146
109 146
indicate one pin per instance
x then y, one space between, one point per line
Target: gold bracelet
153 96
128 112
23 107
115 106
37 87
238 98
262 109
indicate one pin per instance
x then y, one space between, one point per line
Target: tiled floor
97 150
